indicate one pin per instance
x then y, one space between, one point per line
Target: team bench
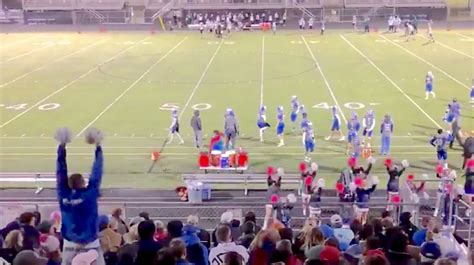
245 179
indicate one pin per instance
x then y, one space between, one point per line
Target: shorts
429 87
450 118
309 146
263 125
175 129
442 155
336 126
280 128
350 136
293 116
230 135
368 133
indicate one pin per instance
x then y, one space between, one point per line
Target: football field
126 83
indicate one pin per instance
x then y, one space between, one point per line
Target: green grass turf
122 94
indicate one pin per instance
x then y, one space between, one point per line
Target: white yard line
131 86
200 80
325 79
55 61
48 138
426 62
391 81
464 36
450 48
18 42
262 71
26 54
70 83
193 147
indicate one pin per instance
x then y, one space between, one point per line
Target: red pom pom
396 199
308 181
352 161
410 177
358 181
470 163
270 171
439 169
274 198
302 167
339 187
388 162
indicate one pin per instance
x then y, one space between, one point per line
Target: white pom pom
414 198
291 198
314 166
94 136
371 160
375 180
426 196
453 174
352 186
424 176
280 171
405 163
321 183
63 135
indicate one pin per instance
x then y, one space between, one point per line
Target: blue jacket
197 253
79 208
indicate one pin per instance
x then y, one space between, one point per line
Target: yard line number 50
199 106
349 105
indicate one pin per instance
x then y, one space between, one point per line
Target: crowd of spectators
29 240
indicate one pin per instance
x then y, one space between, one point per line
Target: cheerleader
469 185
393 184
174 127
363 190
280 125
273 197
315 199
307 178
447 178
262 122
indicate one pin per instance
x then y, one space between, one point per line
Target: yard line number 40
349 105
22 106
199 106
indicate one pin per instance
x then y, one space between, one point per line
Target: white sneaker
327 138
182 142
343 138
281 144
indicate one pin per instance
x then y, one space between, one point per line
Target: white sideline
426 62
200 80
26 54
70 83
449 47
391 81
131 86
325 80
262 71
55 61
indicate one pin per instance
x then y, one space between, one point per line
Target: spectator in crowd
407 226
248 235
160 233
233 258
376 260
341 232
284 253
174 229
250 216
263 246
121 225
132 235
29 257
429 252
37 216
298 249
78 201
225 245
203 235
165 256
313 238
110 240
30 233
12 246
356 251
286 233
50 249
178 248
147 247
445 261
144 215
397 250
86 258
226 219
197 253
419 237
377 224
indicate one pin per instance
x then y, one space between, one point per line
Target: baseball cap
49 243
430 250
29 257
336 220
330 254
314 252
44 227
85 258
